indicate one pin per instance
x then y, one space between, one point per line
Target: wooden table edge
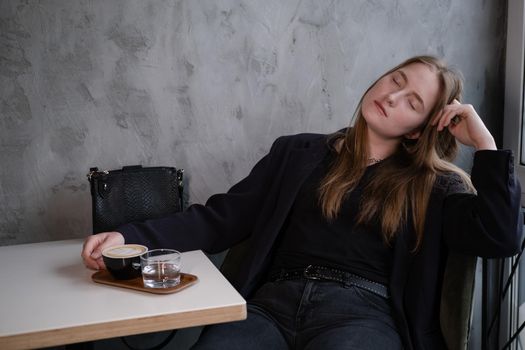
113 329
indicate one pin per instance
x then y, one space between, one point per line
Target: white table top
47 298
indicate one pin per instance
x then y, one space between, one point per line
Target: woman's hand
465 125
95 244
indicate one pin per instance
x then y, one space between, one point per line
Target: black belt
313 272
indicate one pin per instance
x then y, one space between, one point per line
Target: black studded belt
313 272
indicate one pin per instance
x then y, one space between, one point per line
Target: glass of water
161 268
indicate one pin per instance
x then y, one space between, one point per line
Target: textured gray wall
203 85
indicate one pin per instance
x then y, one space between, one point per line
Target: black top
310 238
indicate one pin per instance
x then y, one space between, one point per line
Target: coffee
123 261
125 251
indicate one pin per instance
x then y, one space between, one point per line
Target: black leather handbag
134 193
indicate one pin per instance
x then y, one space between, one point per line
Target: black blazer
488 224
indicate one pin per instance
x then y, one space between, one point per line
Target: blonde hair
403 181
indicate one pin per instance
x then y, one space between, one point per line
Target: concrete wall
204 85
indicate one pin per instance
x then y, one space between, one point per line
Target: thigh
258 331
356 336
348 317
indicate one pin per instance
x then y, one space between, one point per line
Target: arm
223 221
490 223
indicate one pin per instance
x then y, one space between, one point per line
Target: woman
349 232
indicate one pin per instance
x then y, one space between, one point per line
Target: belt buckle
310 274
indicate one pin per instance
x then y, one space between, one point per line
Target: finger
455 120
451 115
91 251
444 120
97 252
91 264
110 239
100 264
441 121
95 263
439 116
92 245
87 247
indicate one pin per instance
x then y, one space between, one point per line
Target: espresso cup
123 261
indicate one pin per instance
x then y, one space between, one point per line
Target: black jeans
311 315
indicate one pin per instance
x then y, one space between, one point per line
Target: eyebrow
405 78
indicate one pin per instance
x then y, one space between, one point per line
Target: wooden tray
104 277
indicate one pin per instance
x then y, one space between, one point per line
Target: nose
392 97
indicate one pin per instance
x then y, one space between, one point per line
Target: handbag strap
180 185
130 167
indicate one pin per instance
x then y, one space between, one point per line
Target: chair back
457 298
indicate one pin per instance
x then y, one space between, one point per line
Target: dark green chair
457 300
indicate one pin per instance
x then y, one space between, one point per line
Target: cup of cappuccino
123 261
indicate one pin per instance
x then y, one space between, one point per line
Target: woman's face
398 103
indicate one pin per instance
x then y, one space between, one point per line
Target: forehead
423 79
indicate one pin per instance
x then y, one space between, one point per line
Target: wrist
486 144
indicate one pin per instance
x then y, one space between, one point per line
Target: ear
413 135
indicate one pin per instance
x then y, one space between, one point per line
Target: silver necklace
374 160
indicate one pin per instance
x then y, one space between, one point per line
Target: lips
381 109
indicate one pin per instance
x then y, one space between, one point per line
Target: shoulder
303 140
451 182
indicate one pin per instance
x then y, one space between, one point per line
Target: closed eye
413 104
419 104
396 81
